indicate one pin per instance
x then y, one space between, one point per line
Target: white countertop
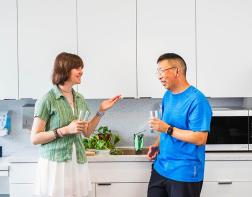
31 156
4 163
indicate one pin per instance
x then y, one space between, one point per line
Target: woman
62 167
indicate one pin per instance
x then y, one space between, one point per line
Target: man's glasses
161 71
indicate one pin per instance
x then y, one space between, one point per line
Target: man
179 151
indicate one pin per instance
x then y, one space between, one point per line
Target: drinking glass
83 115
153 114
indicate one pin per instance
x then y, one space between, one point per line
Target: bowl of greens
102 140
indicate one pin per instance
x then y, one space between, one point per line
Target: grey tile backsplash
126 118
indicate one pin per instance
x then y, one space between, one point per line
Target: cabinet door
21 190
224 48
107 44
226 189
124 189
8 50
163 26
46 28
18 173
92 193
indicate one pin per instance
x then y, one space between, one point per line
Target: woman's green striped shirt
56 111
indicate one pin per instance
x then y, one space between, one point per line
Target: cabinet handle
129 97
104 184
227 182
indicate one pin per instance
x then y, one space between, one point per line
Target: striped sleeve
42 109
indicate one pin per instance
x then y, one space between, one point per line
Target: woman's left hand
107 104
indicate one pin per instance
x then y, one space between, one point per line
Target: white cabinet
224 48
130 178
124 178
163 26
92 193
45 28
4 183
226 189
227 179
127 178
8 50
107 44
124 189
21 182
21 190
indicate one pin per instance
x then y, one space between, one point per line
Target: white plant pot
103 152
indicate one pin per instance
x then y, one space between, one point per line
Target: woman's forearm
42 137
92 125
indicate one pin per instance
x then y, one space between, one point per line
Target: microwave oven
231 130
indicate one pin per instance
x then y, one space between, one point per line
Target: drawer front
226 189
4 173
22 172
228 170
120 171
124 189
21 190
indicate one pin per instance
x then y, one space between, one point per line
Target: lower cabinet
121 189
227 189
109 179
18 190
227 179
26 190
130 179
92 193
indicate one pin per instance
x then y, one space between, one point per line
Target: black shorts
160 186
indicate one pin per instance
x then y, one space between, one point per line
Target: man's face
167 73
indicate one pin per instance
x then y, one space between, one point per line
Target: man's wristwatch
100 114
170 130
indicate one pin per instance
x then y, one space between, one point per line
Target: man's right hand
153 152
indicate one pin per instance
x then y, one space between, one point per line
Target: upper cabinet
45 28
163 26
8 50
224 46
107 44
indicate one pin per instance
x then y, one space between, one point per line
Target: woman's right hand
153 152
77 126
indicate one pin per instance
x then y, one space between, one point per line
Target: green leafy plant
102 139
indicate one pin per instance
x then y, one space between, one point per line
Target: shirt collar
59 94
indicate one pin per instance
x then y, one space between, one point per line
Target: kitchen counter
4 163
31 156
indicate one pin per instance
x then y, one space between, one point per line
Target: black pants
160 186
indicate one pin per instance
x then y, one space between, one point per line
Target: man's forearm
197 138
156 143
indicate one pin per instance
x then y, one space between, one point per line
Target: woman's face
75 75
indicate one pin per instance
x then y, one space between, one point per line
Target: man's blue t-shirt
178 160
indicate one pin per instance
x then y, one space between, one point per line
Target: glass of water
153 114
83 115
